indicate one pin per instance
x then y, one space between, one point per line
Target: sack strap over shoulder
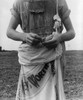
57 7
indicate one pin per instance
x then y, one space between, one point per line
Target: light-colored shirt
37 16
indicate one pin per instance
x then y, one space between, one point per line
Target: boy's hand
52 43
33 39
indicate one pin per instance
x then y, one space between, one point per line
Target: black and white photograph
41 50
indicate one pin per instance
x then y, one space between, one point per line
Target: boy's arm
11 31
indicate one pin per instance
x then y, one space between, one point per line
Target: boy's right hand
33 39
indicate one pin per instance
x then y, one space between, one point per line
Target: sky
76 7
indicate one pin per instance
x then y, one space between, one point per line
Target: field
73 80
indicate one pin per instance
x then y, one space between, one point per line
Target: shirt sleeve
15 10
64 11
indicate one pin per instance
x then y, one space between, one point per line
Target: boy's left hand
52 43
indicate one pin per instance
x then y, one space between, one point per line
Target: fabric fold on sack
29 55
41 74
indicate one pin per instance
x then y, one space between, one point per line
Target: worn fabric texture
42 81
37 16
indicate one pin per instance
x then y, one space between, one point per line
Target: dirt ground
73 80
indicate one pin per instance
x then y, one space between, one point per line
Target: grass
9 73
73 81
